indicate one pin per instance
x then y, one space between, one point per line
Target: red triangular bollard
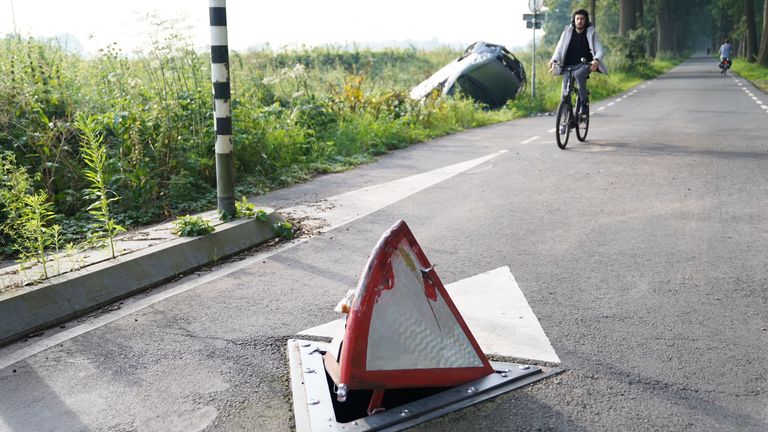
402 329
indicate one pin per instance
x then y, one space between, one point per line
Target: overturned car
486 72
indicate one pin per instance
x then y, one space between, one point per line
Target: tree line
640 29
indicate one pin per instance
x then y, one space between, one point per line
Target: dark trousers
581 74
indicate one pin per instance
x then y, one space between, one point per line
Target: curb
59 299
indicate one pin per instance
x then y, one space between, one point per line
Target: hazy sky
97 23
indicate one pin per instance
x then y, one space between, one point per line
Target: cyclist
579 40
725 52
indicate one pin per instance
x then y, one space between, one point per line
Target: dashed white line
610 103
551 130
531 139
601 108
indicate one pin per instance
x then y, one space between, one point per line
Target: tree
664 27
628 17
749 16
762 56
558 16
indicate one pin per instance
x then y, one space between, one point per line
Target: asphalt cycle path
642 252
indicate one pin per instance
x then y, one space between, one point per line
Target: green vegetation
28 216
757 74
284 230
192 226
36 237
245 209
95 157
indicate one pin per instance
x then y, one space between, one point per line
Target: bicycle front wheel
582 125
563 127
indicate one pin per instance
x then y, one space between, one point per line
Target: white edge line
529 140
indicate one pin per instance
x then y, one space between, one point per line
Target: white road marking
531 139
551 130
344 208
496 312
350 207
610 103
601 108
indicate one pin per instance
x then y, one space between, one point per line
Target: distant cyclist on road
579 40
725 51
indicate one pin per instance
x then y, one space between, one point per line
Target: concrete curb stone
34 308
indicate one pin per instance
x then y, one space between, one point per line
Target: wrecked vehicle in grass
486 72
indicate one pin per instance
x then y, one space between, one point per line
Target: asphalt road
643 252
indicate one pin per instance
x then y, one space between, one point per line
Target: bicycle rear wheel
582 125
563 126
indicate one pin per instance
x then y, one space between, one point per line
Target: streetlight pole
225 183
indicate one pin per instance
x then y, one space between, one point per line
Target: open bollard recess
404 356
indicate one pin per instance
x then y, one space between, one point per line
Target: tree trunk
627 16
749 14
664 28
592 13
762 56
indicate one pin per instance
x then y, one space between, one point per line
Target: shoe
584 113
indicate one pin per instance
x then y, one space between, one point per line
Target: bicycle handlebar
583 63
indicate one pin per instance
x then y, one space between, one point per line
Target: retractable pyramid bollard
402 333
402 329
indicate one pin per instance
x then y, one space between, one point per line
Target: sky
252 23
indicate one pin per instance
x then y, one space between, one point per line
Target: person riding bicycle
579 40
725 52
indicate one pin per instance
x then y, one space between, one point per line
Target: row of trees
657 28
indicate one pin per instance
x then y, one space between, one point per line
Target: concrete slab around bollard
29 309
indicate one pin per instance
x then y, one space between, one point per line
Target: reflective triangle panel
403 330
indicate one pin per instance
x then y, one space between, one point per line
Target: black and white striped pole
225 167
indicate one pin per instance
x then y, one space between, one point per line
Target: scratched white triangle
497 314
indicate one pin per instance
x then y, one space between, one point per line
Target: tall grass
752 71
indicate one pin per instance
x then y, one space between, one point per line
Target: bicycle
725 65
566 119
